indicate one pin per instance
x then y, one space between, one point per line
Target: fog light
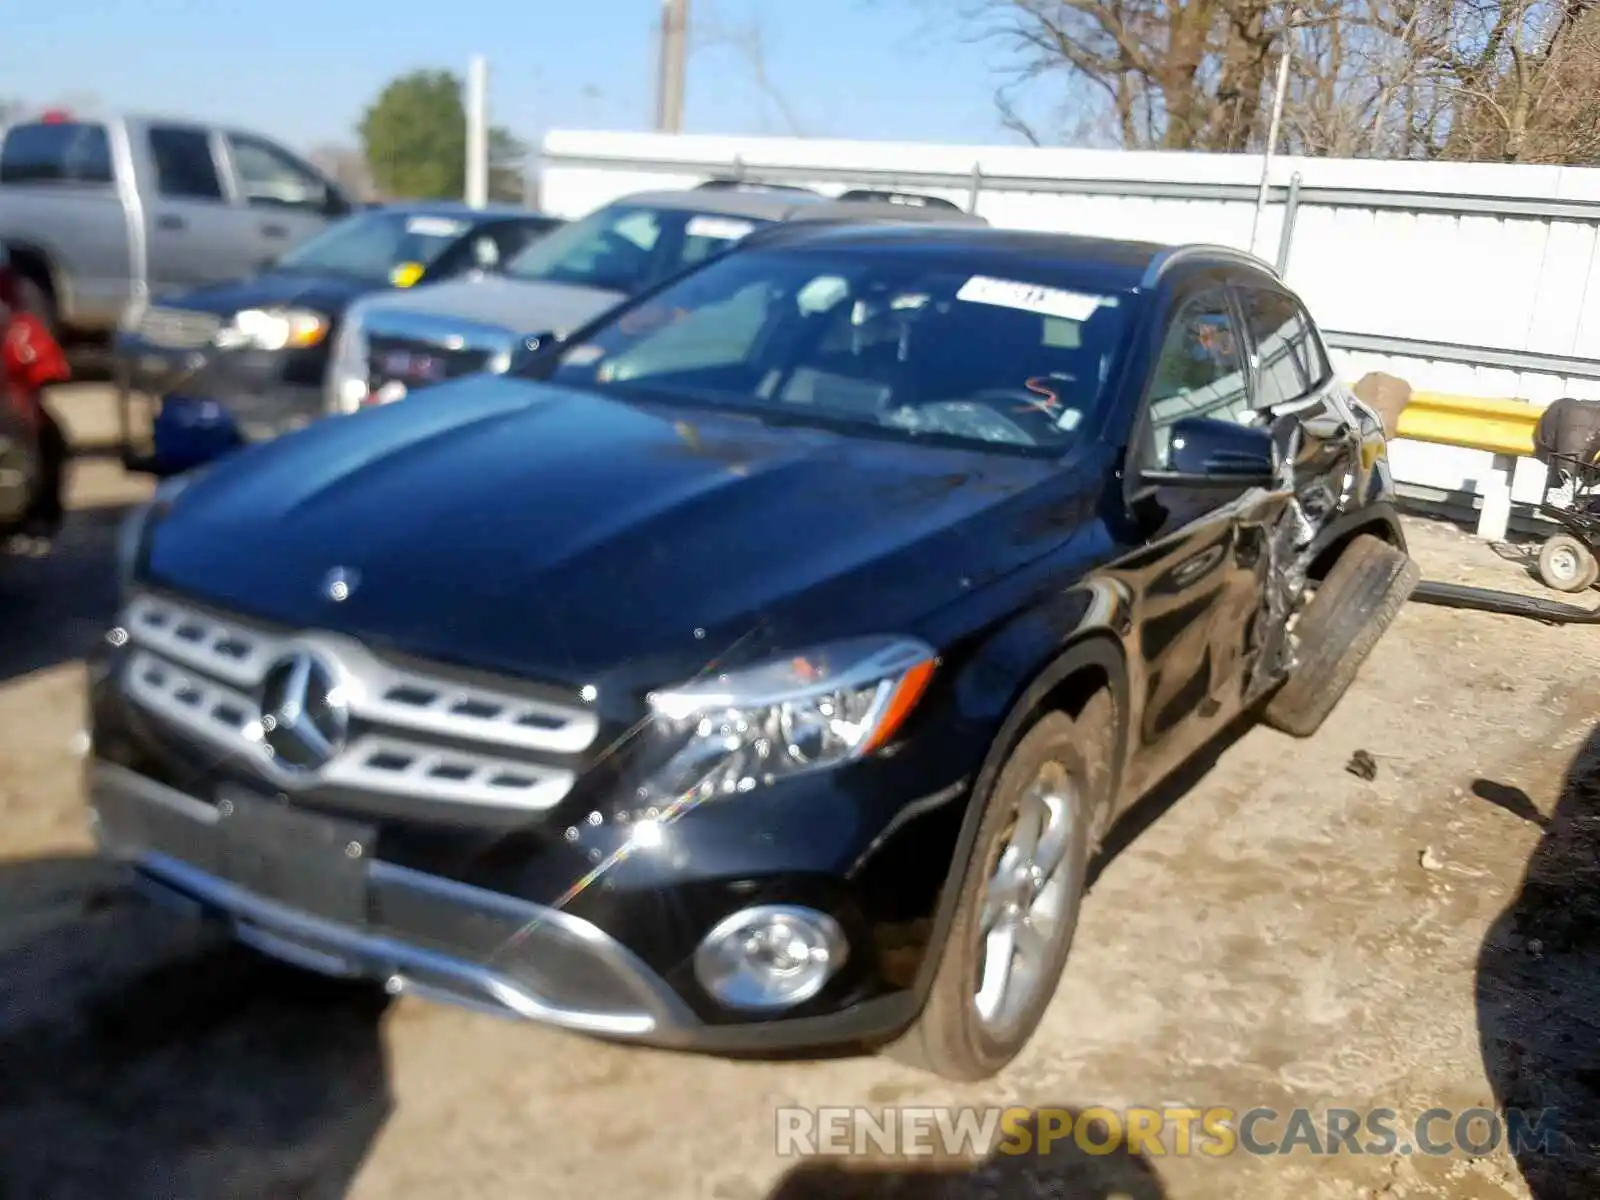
771 956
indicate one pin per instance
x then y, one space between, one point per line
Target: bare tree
1513 80
747 40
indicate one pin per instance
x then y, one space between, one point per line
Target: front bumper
442 939
257 394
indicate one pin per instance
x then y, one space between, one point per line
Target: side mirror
531 351
335 203
1205 452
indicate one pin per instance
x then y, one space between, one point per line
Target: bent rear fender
1379 518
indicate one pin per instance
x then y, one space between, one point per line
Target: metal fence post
1291 209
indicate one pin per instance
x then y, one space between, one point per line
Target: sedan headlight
133 535
737 730
273 329
347 380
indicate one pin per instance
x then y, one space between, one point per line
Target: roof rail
730 184
908 199
1174 255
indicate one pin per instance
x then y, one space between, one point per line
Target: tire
1566 564
37 299
1353 606
951 1037
19 471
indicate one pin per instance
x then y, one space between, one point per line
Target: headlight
804 713
347 367
273 329
134 532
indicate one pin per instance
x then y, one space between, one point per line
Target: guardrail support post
973 189
1495 515
1291 209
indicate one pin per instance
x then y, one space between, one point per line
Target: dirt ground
1279 932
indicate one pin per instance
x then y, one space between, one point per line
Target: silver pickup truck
101 213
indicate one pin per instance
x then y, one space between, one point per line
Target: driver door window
270 178
1200 371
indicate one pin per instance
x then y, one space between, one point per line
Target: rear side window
63 152
185 167
1289 358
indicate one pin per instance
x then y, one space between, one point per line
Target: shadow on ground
1539 990
1063 1169
53 609
141 1057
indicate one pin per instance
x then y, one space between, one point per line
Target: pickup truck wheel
1018 906
1353 606
18 473
35 298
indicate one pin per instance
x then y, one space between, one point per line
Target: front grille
178 328
414 734
417 364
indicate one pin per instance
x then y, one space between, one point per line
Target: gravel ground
1282 933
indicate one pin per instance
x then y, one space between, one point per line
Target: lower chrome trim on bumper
516 939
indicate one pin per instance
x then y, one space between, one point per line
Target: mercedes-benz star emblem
304 721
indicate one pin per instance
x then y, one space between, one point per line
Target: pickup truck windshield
903 343
372 246
624 248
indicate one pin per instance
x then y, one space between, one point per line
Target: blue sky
304 70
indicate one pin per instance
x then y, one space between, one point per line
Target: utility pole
1278 91
674 54
478 132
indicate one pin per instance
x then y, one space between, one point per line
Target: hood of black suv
526 528
330 294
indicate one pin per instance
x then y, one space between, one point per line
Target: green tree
415 137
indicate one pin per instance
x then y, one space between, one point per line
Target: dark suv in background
394 345
762 666
247 359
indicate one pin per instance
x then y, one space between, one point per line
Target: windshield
625 248
383 247
893 342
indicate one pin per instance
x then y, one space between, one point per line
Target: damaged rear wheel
1336 631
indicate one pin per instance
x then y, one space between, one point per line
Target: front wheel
1018 907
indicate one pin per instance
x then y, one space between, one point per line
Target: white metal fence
1469 278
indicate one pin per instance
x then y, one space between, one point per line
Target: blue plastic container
188 433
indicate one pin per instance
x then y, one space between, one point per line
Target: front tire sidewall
955 1042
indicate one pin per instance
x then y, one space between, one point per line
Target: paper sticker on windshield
440 227
1030 297
722 229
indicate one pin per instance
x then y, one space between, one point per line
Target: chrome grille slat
375 690
178 328
203 674
160 625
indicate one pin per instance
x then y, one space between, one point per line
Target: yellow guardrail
1476 423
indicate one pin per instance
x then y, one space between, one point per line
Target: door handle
275 231
170 221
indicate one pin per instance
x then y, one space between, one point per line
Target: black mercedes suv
761 667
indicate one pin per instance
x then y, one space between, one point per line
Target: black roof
461 210
1113 264
765 203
